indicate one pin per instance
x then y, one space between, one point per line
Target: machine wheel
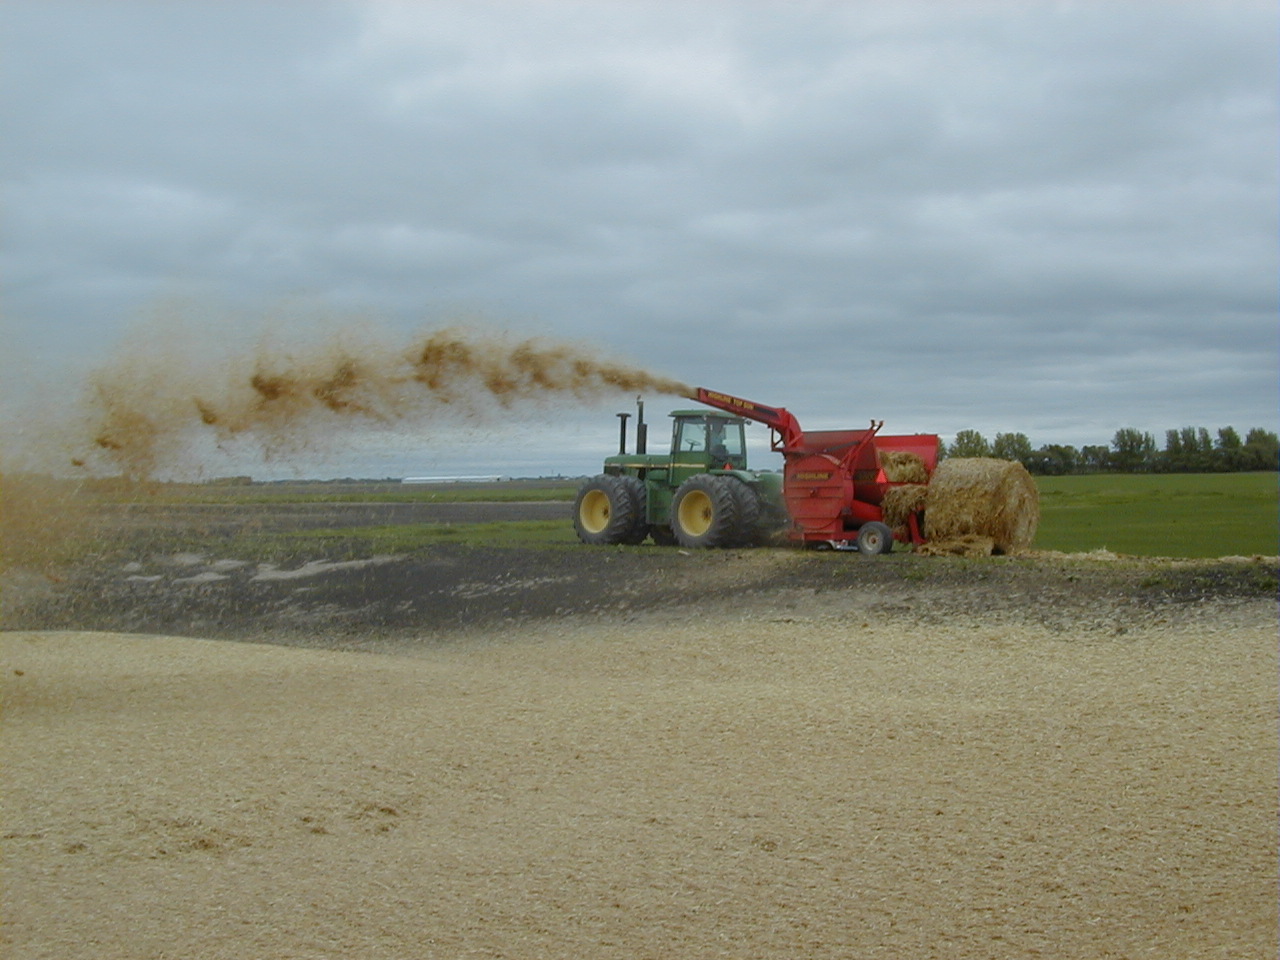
874 538
704 513
748 504
610 510
639 527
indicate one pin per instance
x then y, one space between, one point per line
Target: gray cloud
1055 218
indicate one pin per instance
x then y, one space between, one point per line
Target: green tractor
699 494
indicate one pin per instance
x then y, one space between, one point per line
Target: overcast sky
1054 218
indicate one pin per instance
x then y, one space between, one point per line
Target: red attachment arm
778 418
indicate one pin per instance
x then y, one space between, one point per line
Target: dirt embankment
438 592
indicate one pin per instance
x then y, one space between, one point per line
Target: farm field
1161 515
1146 515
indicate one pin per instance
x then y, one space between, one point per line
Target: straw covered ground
806 757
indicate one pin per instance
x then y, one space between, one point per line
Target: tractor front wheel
610 510
704 513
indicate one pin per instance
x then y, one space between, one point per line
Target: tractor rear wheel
610 510
874 538
704 513
748 504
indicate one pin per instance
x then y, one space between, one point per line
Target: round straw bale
903 467
899 503
983 497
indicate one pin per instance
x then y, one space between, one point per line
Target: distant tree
1149 448
1186 450
1043 461
1205 459
1094 457
1230 449
1132 450
1171 460
1195 450
1011 446
1068 456
1261 450
969 443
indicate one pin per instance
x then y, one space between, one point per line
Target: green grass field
1161 515
1167 515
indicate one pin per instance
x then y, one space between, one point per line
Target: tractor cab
708 440
702 441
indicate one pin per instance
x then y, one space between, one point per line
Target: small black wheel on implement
874 538
610 510
704 513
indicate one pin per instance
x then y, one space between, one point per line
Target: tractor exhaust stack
642 429
622 434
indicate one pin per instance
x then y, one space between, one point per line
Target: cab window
692 436
726 440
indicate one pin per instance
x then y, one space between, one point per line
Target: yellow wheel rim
695 513
594 511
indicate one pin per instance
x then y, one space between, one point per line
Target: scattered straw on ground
970 545
815 785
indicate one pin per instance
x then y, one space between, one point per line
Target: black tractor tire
704 513
749 509
639 497
610 510
874 538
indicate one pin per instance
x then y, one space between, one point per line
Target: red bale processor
834 481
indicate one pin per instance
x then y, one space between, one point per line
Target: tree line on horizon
1186 450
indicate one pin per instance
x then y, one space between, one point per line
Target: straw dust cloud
144 412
